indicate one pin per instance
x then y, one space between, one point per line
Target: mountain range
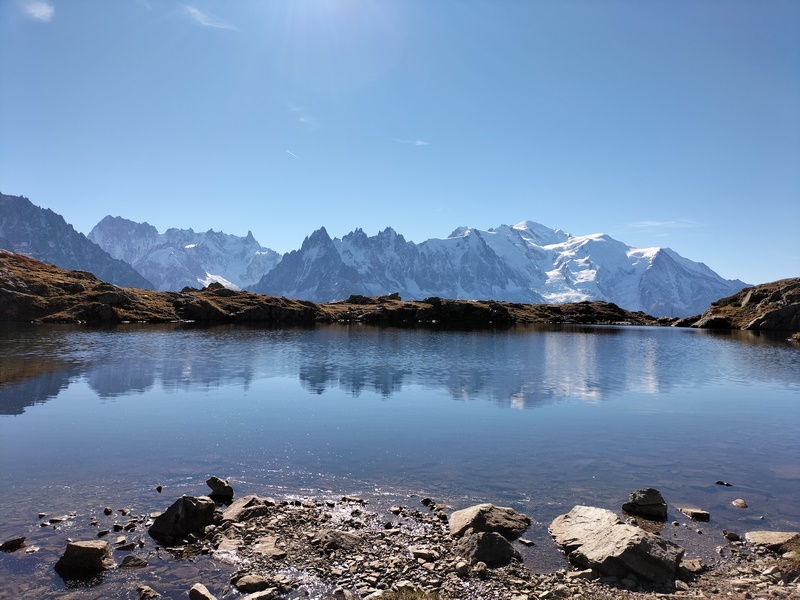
181 258
44 235
527 263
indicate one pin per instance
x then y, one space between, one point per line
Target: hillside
771 306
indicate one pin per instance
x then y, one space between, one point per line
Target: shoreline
280 545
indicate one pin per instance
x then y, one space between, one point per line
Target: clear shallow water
537 418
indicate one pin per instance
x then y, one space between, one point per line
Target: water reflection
521 368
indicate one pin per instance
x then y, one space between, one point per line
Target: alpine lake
537 418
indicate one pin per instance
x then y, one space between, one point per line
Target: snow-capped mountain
181 257
44 235
528 262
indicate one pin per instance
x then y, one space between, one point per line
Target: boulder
251 583
648 503
200 592
776 541
84 559
133 562
186 515
594 538
488 547
12 544
220 488
489 518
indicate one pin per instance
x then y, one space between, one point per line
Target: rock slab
594 538
186 515
489 518
82 559
773 540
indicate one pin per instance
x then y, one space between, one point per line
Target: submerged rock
696 514
200 592
84 559
595 538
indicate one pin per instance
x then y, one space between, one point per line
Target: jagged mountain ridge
44 235
527 262
182 257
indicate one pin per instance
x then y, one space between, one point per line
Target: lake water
538 418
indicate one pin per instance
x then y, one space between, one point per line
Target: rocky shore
342 548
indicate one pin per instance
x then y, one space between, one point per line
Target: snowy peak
527 262
179 258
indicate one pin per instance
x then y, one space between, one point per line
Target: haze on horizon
672 124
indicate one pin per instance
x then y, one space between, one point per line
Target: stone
488 547
489 518
133 562
267 594
200 592
251 583
84 559
594 538
12 544
332 539
425 554
731 536
773 540
108 510
739 503
147 593
268 546
220 488
343 594
695 514
247 507
186 515
648 503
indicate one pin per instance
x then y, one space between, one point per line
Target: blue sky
661 123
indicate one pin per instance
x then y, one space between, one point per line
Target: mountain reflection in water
523 368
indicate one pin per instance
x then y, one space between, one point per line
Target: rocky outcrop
595 538
85 559
771 306
186 515
648 503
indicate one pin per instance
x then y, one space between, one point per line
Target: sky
672 123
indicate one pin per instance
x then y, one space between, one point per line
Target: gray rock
489 518
739 503
648 503
82 559
186 515
595 538
220 488
200 592
488 547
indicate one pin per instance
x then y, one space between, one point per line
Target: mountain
528 263
180 257
44 235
